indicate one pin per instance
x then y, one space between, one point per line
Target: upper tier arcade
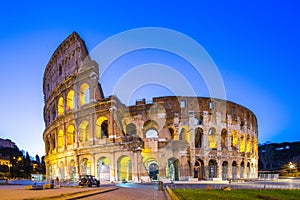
64 63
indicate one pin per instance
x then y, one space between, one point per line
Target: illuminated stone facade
169 139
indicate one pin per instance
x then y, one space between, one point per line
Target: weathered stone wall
172 138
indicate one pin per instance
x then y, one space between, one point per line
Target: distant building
171 138
5 160
6 143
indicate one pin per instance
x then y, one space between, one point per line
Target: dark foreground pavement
119 191
17 192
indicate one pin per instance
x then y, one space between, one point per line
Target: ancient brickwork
169 139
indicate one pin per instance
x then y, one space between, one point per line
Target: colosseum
173 138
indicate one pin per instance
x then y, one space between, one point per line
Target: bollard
160 185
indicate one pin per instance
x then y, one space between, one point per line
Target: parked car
88 180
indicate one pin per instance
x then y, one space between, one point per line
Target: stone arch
199 169
62 171
212 138
60 106
185 134
70 135
102 127
131 129
172 132
70 100
234 139
212 169
248 170
103 169
85 166
234 170
248 144
242 143
173 169
84 94
72 170
60 139
152 167
242 166
198 137
225 170
84 134
224 136
124 168
150 129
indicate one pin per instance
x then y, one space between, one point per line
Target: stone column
206 169
135 167
220 168
93 127
229 171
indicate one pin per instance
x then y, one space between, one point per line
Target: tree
37 159
27 165
267 155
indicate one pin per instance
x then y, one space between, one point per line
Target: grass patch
193 194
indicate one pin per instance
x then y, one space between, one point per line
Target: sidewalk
19 192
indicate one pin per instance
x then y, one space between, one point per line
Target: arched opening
234 139
198 137
103 166
248 170
242 143
72 170
242 169
173 169
60 139
224 134
199 169
248 143
102 127
131 129
234 170
150 129
153 170
70 135
212 138
224 170
70 100
185 134
60 106
84 94
86 167
172 133
84 134
59 70
62 171
124 169
212 169
151 133
53 113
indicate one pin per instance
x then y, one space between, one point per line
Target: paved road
130 194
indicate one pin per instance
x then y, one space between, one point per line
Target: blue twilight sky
255 45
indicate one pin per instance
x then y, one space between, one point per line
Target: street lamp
291 165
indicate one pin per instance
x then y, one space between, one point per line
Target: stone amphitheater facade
173 138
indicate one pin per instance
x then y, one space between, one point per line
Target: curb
92 194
